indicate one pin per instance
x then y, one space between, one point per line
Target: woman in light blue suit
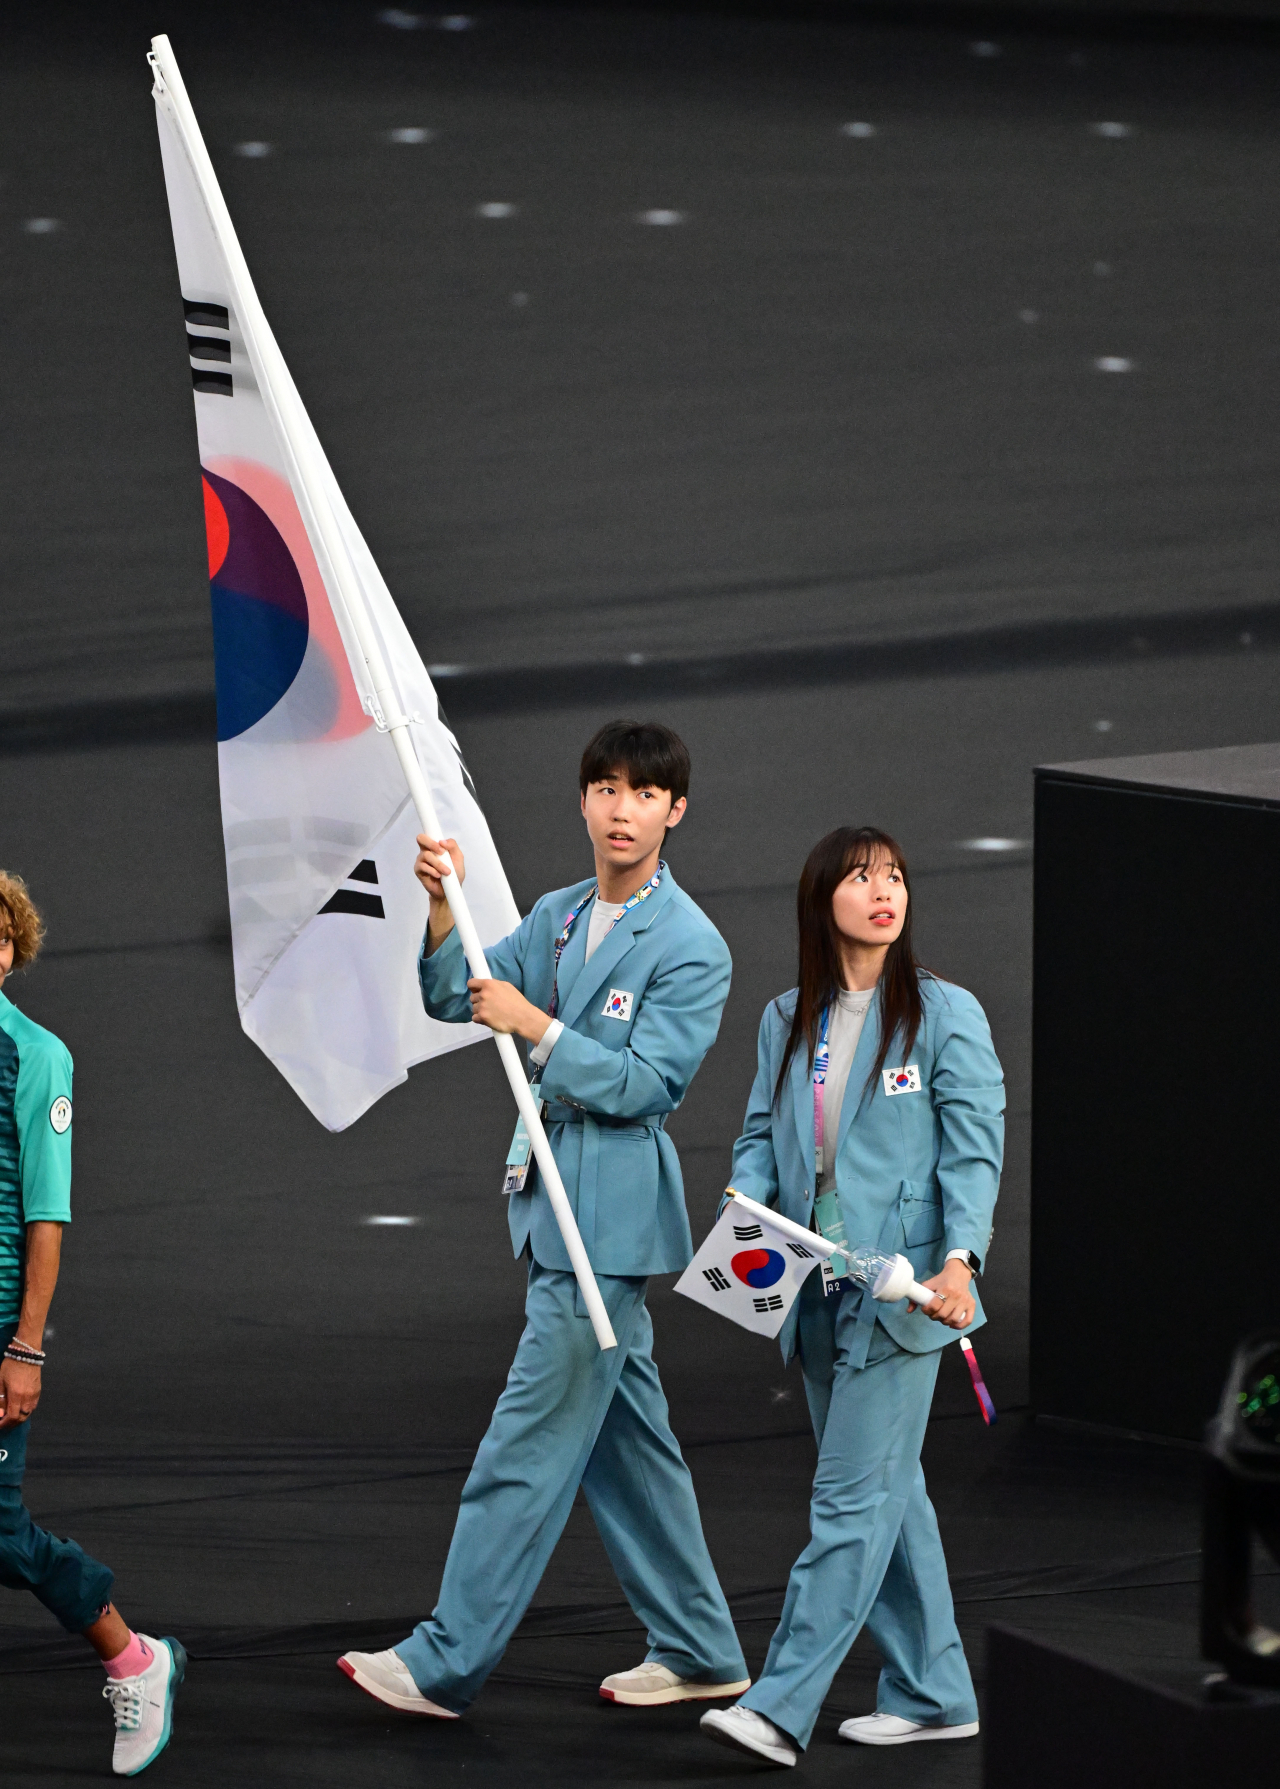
877 1118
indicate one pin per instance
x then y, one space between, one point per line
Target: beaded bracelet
24 1356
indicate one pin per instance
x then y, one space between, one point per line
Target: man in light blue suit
618 984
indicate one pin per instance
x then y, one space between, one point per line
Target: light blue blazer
609 1082
917 1173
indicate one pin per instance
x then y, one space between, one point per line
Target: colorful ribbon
980 1391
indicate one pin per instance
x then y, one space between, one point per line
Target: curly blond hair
19 919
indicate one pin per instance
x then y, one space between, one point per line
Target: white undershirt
600 922
847 1019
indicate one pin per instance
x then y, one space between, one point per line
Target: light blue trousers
571 1415
875 1556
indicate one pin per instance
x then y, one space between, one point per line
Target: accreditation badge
520 1154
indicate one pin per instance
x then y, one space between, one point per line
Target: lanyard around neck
641 894
821 1062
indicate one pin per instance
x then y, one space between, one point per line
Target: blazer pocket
629 1174
921 1213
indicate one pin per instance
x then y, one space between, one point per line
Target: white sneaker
651 1684
749 1732
386 1676
143 1707
893 1730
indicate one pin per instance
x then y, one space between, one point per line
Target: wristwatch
971 1261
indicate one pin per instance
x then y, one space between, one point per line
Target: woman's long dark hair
832 859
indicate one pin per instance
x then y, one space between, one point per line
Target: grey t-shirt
847 1019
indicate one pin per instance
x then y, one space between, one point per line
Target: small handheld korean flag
752 1266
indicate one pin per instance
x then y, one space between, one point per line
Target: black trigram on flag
716 1280
356 900
768 1304
798 1248
748 1232
206 347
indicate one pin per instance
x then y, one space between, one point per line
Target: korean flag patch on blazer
618 1005
901 1080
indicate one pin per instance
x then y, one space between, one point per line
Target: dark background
882 543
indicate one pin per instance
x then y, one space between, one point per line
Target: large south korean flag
326 915
752 1266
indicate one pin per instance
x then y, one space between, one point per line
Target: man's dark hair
647 754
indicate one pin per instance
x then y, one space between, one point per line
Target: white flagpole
278 393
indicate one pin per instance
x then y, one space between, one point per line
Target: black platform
1058 1722
1156 1059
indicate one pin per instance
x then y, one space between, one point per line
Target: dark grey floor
810 412
285 1502
809 417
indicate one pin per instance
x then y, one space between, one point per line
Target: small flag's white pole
278 392
889 1288
809 1239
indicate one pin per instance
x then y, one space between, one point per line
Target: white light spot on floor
519 300
1246 639
860 128
49 1332
1102 726
1110 127
1112 363
495 208
994 844
660 216
445 670
410 133
456 21
635 658
986 49
401 21
390 1223
253 152
42 226
1101 269
1028 316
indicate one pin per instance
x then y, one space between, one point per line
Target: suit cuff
547 1043
443 951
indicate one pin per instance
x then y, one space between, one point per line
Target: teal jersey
35 1143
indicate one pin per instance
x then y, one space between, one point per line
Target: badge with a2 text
60 1113
618 1005
901 1080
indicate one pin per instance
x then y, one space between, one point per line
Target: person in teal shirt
35 1202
